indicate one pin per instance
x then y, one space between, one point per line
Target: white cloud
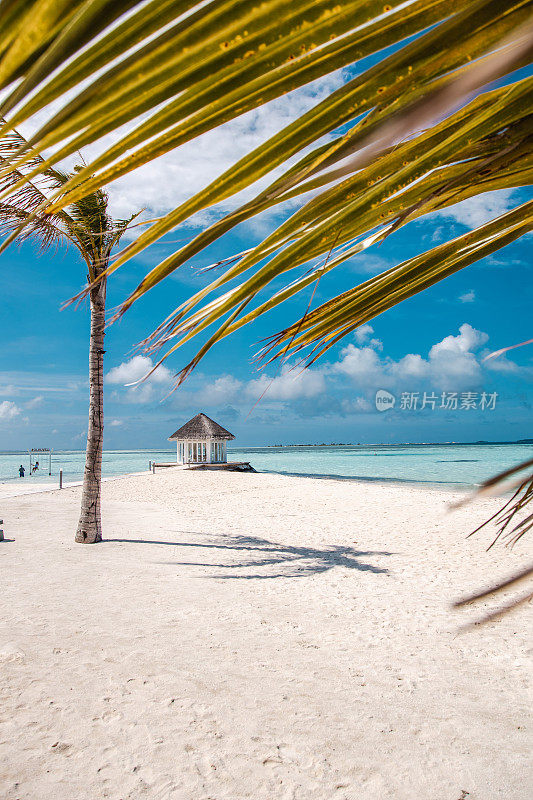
135 369
143 393
368 263
345 386
176 176
222 390
35 403
8 410
454 363
292 384
480 209
31 384
411 366
439 234
451 363
357 405
200 390
453 358
129 372
503 364
362 364
363 335
467 297
468 339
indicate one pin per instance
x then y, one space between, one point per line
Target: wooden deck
232 466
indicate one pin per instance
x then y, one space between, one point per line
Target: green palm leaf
220 89
188 67
405 183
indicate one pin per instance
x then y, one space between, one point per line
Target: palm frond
385 93
13 217
406 182
21 216
513 520
221 60
503 350
421 130
519 478
248 54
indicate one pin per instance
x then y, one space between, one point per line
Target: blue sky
433 343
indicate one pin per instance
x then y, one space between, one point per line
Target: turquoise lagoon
448 464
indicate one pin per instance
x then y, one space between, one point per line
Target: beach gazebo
201 441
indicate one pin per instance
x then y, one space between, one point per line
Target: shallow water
114 462
463 465
455 464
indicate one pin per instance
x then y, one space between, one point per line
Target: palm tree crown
85 223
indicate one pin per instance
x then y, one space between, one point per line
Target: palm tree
87 225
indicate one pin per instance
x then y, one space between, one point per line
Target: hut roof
201 427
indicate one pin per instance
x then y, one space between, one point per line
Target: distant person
21 471
35 467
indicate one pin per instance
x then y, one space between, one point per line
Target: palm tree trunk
90 524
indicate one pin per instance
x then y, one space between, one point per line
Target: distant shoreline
481 443
384 444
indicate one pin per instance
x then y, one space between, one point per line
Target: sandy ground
257 636
15 489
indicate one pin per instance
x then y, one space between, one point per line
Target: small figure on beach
21 471
35 467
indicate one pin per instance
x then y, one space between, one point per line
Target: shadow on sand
296 562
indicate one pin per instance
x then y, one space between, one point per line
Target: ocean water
72 462
453 464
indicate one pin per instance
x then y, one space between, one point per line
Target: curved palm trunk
90 524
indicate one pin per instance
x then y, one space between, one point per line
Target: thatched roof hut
201 427
201 439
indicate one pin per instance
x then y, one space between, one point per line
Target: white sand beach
257 636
